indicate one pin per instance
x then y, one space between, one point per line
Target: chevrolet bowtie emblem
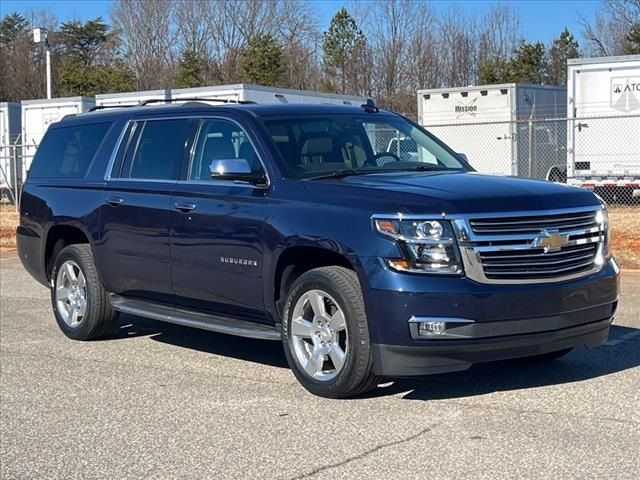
550 241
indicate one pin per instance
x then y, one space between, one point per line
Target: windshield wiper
347 172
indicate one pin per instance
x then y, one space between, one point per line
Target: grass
625 233
8 223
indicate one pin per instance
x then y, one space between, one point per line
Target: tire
341 298
546 357
94 318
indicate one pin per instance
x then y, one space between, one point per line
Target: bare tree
300 37
499 33
458 44
609 33
149 39
424 69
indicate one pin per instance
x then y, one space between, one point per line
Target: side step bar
188 318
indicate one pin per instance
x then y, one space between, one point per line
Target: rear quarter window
67 152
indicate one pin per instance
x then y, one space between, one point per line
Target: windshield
320 146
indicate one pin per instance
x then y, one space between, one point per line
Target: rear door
135 212
217 226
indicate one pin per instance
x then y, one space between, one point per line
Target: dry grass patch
8 223
625 235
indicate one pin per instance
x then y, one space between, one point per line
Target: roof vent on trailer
445 95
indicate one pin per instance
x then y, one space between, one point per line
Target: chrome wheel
71 293
319 335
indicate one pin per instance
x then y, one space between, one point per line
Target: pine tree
189 71
562 49
89 65
632 44
528 64
261 61
341 43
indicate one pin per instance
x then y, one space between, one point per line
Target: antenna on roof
370 106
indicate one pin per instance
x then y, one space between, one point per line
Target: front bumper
508 321
453 356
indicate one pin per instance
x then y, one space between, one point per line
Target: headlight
429 246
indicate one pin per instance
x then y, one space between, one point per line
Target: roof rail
102 107
191 99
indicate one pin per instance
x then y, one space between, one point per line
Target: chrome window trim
145 118
470 251
114 153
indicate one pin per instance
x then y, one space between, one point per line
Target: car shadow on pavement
621 352
257 351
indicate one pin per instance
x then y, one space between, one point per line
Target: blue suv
298 223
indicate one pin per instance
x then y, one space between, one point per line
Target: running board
189 318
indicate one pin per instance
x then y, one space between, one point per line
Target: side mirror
463 156
234 169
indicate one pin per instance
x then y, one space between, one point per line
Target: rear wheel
325 334
80 304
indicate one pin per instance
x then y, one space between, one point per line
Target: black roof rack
191 99
171 100
102 107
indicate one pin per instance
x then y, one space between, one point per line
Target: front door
217 227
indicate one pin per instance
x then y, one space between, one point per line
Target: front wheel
325 334
80 304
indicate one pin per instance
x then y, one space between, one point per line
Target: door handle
114 201
185 207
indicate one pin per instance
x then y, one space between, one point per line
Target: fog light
428 329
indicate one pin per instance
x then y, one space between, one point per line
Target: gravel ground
161 401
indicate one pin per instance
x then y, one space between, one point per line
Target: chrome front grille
532 247
537 264
533 224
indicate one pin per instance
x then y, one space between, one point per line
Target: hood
455 192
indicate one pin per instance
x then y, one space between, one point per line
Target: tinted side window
159 152
67 152
221 140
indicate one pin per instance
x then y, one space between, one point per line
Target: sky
541 20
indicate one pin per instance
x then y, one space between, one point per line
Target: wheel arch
295 260
59 236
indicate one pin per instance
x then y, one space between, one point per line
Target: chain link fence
598 153
15 158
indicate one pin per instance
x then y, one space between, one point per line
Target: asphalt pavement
163 401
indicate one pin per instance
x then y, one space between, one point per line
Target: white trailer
603 138
9 137
127 99
499 128
259 94
37 115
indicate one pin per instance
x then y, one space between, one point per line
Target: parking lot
162 401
